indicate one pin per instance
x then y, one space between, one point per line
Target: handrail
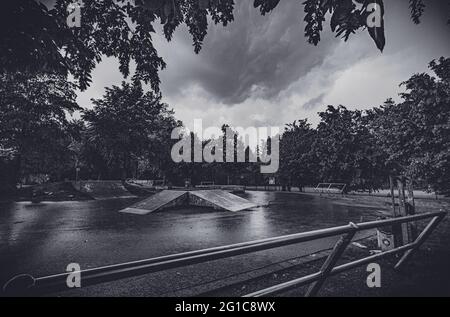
57 282
329 188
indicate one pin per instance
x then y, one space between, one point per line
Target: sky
260 71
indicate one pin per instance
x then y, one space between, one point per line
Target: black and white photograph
226 155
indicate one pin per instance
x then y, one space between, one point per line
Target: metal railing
330 188
26 284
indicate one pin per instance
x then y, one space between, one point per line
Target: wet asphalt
42 239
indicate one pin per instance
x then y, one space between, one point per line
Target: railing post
331 260
410 208
419 241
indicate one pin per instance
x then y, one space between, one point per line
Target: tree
415 134
38 38
298 167
126 125
346 150
8 173
33 121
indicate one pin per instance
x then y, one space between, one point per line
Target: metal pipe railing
57 282
320 276
283 287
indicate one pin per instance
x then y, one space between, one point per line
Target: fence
25 284
330 188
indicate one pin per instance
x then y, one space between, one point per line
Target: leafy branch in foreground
37 38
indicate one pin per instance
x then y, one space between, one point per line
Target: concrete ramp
234 189
103 189
219 199
159 201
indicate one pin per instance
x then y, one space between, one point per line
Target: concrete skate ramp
103 189
229 188
219 199
159 201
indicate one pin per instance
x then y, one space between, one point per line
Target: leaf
377 33
265 5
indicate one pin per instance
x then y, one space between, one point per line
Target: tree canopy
128 134
33 122
411 138
37 38
127 124
415 134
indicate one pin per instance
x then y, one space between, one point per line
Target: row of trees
126 131
128 134
411 138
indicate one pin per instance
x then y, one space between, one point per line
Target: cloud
255 56
260 70
314 102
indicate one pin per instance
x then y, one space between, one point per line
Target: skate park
117 230
96 233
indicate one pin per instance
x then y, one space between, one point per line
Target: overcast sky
260 70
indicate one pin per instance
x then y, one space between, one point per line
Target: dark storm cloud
260 70
259 56
254 56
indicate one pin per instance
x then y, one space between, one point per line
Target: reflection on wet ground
43 238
